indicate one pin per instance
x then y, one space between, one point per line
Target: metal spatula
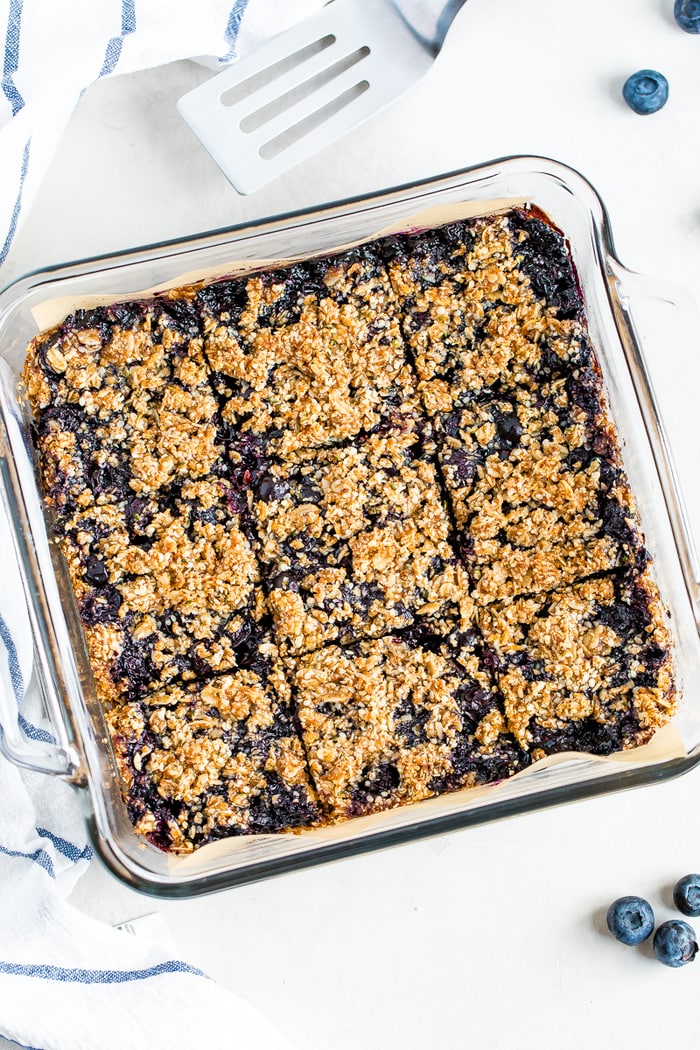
313 83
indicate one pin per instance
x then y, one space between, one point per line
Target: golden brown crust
355 542
310 358
394 721
349 534
220 757
598 650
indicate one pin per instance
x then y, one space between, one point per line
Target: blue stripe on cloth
11 59
39 856
18 204
35 732
128 16
81 976
233 27
65 847
28 728
112 55
114 46
12 661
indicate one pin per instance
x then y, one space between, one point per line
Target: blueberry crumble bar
123 403
590 662
400 718
539 494
167 589
214 757
310 356
355 542
351 533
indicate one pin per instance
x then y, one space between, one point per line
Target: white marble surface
491 937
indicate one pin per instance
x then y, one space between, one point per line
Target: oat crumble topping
349 534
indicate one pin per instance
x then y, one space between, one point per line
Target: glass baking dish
622 308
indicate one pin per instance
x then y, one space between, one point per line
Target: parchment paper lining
667 743
52 311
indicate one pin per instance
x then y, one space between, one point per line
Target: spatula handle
430 19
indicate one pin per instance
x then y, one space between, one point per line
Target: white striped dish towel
53 49
69 982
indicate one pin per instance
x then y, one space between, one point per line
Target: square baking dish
621 310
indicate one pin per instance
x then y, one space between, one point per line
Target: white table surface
491 937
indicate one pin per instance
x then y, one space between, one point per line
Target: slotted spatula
313 83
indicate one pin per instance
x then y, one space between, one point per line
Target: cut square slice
479 308
537 487
96 359
485 434
585 668
214 758
309 356
355 542
398 719
123 401
164 590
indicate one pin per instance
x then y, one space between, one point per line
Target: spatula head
307 87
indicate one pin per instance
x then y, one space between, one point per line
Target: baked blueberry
646 91
675 943
323 524
397 719
630 920
686 894
378 503
687 14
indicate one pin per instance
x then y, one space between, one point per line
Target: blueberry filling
559 381
184 313
376 782
96 572
270 489
545 260
410 722
101 607
463 465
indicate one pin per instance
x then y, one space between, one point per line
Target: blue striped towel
53 49
69 982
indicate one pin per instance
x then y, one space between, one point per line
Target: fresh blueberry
646 91
687 14
630 919
674 943
686 894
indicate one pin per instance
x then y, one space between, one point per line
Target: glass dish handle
22 530
663 322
